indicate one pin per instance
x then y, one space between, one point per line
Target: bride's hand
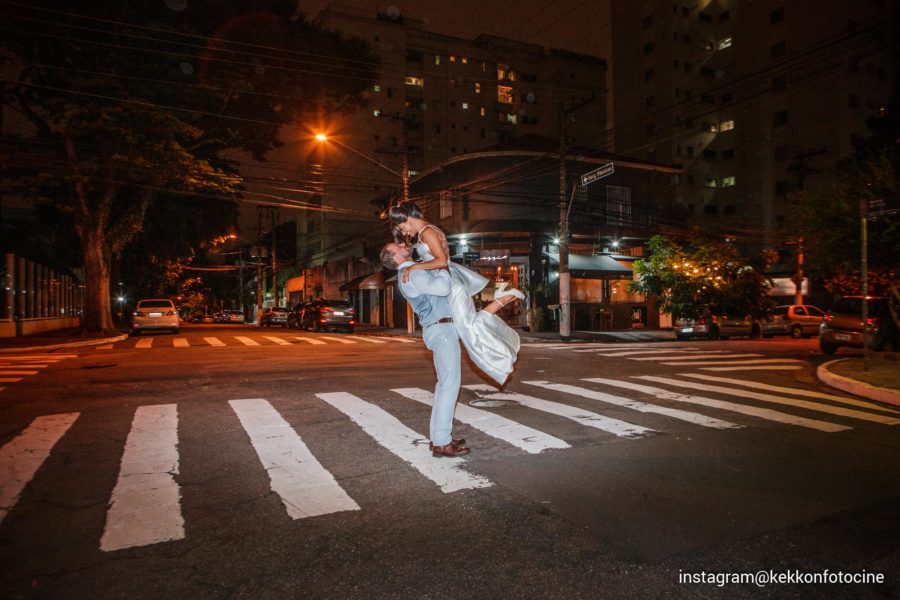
407 272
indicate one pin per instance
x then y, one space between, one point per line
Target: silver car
155 314
795 320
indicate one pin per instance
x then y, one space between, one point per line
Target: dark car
274 315
328 315
295 317
843 325
714 323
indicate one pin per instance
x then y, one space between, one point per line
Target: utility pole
273 218
864 264
798 276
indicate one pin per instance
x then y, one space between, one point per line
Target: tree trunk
97 308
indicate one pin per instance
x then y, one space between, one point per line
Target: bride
489 341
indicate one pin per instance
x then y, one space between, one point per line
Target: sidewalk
881 383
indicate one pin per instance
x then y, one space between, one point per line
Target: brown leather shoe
455 442
449 450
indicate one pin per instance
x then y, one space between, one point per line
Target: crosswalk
145 504
146 343
16 367
681 356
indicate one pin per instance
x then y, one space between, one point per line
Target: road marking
277 340
697 356
631 352
335 339
37 357
675 413
21 457
145 507
305 487
104 347
10 379
405 443
19 372
580 416
762 368
214 342
24 364
310 340
180 342
793 391
371 340
144 343
246 341
734 362
814 406
753 411
520 436
398 339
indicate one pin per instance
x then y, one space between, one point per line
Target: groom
426 291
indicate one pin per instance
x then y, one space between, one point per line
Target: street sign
597 173
471 255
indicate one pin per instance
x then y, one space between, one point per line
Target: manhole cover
484 403
100 366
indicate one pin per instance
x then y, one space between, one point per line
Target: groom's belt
444 320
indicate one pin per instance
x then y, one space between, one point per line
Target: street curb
858 388
65 345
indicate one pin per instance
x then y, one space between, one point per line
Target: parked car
208 319
714 323
795 320
274 315
155 314
295 317
843 325
329 315
232 316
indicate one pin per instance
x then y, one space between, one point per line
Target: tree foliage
687 277
127 106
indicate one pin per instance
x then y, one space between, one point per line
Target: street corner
849 375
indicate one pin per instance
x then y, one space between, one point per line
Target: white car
155 314
795 320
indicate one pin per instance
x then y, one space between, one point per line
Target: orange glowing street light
404 176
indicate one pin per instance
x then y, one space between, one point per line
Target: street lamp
404 176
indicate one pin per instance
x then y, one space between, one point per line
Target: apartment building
753 98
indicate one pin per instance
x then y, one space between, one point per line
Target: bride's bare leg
495 305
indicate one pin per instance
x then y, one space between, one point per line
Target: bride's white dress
490 342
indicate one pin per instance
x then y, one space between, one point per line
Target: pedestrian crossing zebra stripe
36 357
305 487
310 340
521 436
752 368
212 341
246 341
24 364
144 343
21 457
674 413
753 411
145 507
580 416
180 342
371 340
760 361
698 356
405 443
341 340
792 391
18 372
10 380
633 352
814 406
277 340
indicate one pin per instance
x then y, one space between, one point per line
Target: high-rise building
754 98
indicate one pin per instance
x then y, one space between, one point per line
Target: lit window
502 70
728 181
464 60
376 113
727 125
482 111
512 119
504 94
711 182
376 88
710 127
452 58
416 81
724 43
477 88
437 59
465 106
413 173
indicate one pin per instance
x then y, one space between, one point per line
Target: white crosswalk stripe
340 340
246 341
180 342
18 372
524 437
144 343
305 487
675 413
756 368
405 443
583 417
633 352
696 356
21 457
371 340
814 406
277 340
145 507
309 340
14 368
9 380
213 341
759 361
762 413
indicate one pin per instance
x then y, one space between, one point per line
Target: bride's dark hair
400 212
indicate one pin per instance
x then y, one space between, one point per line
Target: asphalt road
234 462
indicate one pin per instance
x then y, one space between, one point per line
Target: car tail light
323 320
171 313
701 321
873 321
829 317
351 312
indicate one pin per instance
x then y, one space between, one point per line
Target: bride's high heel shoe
503 290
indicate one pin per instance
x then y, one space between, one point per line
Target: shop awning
372 281
597 266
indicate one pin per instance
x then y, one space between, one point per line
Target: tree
130 103
687 277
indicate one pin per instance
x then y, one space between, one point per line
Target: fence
38 298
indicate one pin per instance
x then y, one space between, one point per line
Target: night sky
578 25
